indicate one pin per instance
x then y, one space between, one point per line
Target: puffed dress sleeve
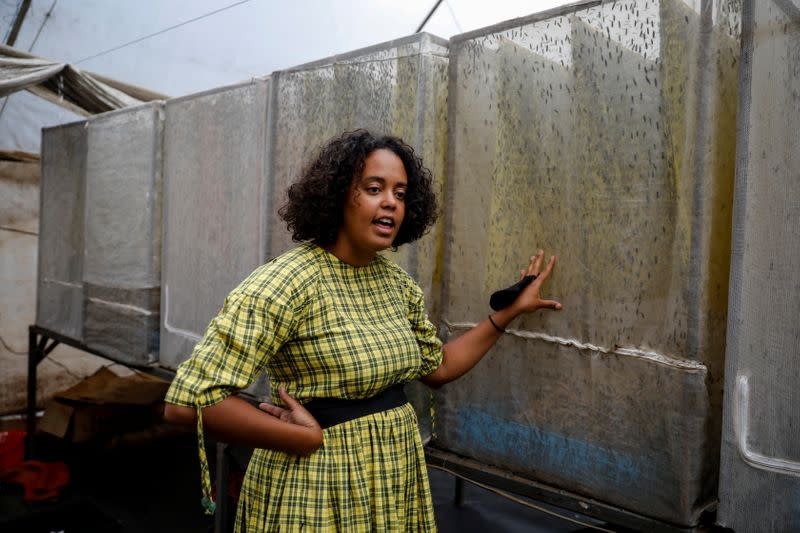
430 346
234 350
256 319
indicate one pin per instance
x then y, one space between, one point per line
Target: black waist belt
332 411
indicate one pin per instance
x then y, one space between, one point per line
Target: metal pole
223 467
459 496
33 362
23 10
430 14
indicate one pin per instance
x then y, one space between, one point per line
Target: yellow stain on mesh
411 116
723 132
403 113
435 152
527 204
621 186
597 163
422 123
680 42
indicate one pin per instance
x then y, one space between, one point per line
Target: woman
339 328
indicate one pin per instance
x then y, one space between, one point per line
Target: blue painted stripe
552 453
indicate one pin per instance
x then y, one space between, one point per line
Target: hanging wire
170 28
453 14
41 27
9 348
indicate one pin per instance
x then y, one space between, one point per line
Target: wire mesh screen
215 207
60 279
760 460
603 133
122 250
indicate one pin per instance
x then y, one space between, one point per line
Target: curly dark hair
314 209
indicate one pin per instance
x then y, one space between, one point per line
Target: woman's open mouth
385 225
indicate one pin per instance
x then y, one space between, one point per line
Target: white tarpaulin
65 85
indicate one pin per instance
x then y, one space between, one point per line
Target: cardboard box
112 401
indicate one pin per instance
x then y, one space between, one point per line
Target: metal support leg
459 495
33 362
30 419
37 351
223 470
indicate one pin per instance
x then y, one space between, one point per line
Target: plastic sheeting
398 87
65 85
122 244
60 288
760 460
603 134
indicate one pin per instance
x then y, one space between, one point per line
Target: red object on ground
12 449
41 480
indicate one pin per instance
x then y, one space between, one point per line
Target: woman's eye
373 190
400 195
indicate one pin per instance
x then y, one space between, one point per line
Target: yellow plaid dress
324 328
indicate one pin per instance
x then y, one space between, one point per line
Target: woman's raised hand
530 298
294 413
